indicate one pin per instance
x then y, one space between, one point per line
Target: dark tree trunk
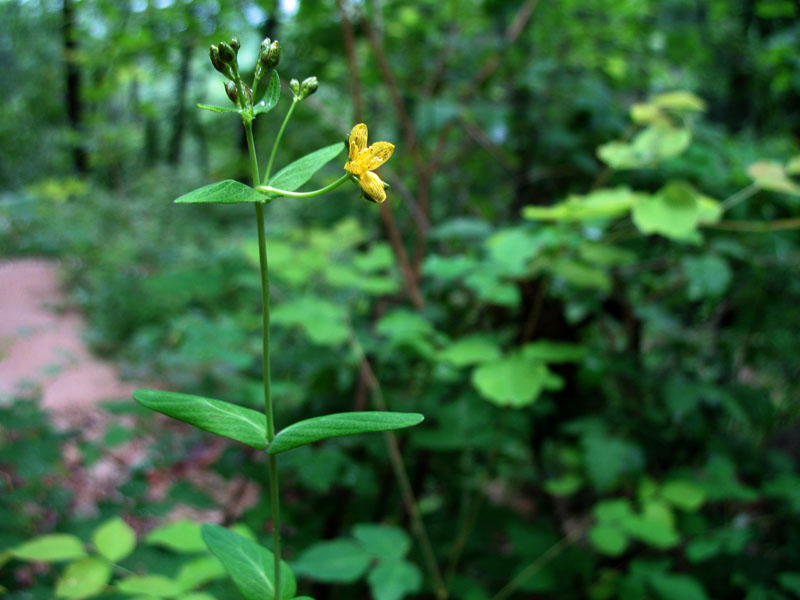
181 90
72 90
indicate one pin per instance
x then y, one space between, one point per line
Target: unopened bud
235 44
226 53
294 85
270 55
308 87
232 91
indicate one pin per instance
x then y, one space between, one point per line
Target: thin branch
398 466
756 226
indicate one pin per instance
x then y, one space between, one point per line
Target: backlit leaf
50 548
300 171
341 424
114 539
224 192
335 561
83 578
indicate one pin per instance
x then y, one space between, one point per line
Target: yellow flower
365 159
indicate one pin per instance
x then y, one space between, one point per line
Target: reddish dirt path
41 348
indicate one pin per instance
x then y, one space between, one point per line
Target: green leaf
512 381
394 579
580 275
772 176
790 581
114 539
683 494
300 171
654 526
673 212
383 541
149 585
557 352
601 204
677 587
608 458
680 101
215 416
271 96
50 548
182 536
198 572
219 109
608 539
83 578
250 565
340 424
470 350
793 165
566 485
335 561
708 276
328 327
224 192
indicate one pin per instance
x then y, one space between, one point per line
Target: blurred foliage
606 353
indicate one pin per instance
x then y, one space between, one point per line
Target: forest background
586 276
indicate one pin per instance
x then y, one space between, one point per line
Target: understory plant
258 572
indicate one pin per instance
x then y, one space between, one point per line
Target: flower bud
213 53
264 47
294 85
232 91
235 45
226 53
271 56
308 87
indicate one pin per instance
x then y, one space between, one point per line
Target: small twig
739 197
399 468
537 564
756 226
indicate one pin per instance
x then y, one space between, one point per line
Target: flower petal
372 186
357 139
379 154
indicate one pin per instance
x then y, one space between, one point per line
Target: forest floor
42 352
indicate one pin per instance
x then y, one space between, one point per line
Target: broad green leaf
669 586
215 416
703 548
149 585
271 96
683 494
680 101
673 212
645 113
512 381
566 485
654 526
619 156
114 539
790 580
196 596
710 210
340 424
224 192
557 352
772 176
448 268
323 321
708 276
300 171
608 539
659 142
84 578
471 350
613 510
250 565
579 274
394 579
793 166
182 536
607 458
383 541
198 572
602 204
50 548
219 109
335 561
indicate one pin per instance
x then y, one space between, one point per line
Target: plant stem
739 196
331 186
264 271
400 473
278 139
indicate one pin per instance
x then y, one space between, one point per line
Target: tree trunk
72 90
181 89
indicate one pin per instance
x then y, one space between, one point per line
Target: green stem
264 271
278 139
267 189
739 196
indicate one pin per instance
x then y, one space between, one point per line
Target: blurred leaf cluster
585 277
